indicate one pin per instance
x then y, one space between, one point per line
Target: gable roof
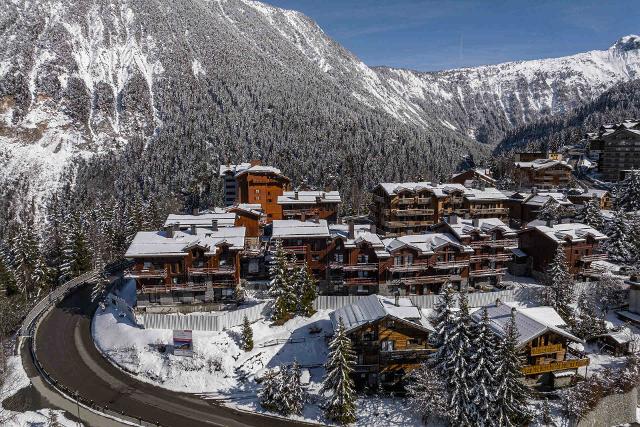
292 228
529 325
158 243
540 164
573 231
362 234
540 198
233 169
262 170
425 244
224 218
465 227
309 197
372 308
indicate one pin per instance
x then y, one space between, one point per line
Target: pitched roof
542 164
573 231
375 307
158 243
362 234
529 325
309 197
424 243
292 228
540 198
262 170
252 208
224 218
464 227
233 169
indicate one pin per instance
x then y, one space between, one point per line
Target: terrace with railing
225 270
488 272
159 273
412 212
491 257
495 243
593 257
443 265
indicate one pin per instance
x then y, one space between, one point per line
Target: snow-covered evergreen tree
427 393
77 253
550 212
456 368
619 245
340 407
24 251
559 291
292 394
247 335
483 361
610 293
270 390
588 323
282 284
628 193
511 394
592 215
306 290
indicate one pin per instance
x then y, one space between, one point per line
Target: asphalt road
66 351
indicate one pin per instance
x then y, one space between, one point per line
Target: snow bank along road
65 349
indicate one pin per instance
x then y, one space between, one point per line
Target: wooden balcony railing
425 280
150 274
495 243
412 212
361 266
295 249
491 257
546 349
593 257
489 211
408 268
210 271
360 281
409 353
406 224
443 265
488 272
555 366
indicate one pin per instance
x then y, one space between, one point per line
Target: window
409 259
363 259
257 197
146 265
363 288
414 341
387 345
227 292
338 257
257 191
397 260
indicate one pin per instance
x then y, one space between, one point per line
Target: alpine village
211 213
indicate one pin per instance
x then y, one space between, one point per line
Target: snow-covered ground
221 370
16 380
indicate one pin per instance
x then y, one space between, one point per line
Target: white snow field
222 371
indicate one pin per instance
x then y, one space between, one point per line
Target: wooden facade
262 185
303 205
481 176
543 174
620 151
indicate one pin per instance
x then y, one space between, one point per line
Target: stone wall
612 410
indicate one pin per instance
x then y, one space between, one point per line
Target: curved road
65 349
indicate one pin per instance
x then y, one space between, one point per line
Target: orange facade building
262 185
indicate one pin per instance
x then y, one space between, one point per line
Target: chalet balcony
426 280
593 257
362 369
406 224
252 246
412 212
555 366
456 200
495 243
408 268
488 272
160 289
489 211
546 349
227 270
406 201
354 281
404 354
146 274
295 249
423 200
444 265
361 267
592 272
336 265
491 257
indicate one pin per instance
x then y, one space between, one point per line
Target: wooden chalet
491 241
412 207
581 244
355 257
195 266
389 336
581 197
302 205
262 185
421 264
543 174
618 148
306 240
548 360
216 218
524 207
473 178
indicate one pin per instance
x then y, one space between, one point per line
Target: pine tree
306 290
559 291
619 245
610 293
588 324
512 395
546 413
628 193
77 255
483 357
7 277
427 392
270 390
293 396
282 286
550 212
592 215
340 407
247 335
24 251
456 368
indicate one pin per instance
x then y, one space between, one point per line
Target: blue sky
436 35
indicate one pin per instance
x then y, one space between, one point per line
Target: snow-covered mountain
80 77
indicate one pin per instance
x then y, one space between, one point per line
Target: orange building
262 185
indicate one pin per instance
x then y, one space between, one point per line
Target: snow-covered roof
362 234
374 307
158 243
292 228
542 164
488 193
252 208
233 169
426 243
574 231
464 227
529 324
397 187
260 169
309 197
486 173
540 198
224 218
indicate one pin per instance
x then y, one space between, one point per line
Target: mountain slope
124 96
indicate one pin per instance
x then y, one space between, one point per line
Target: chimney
498 302
169 231
352 230
475 222
397 299
318 200
193 229
295 195
214 224
534 190
303 216
513 310
196 211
